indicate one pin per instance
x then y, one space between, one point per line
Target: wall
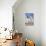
30 32
43 22
6 13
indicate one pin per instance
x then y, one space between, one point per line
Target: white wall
43 22
6 13
31 32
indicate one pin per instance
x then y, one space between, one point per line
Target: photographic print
29 19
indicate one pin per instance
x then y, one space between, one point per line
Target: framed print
29 19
